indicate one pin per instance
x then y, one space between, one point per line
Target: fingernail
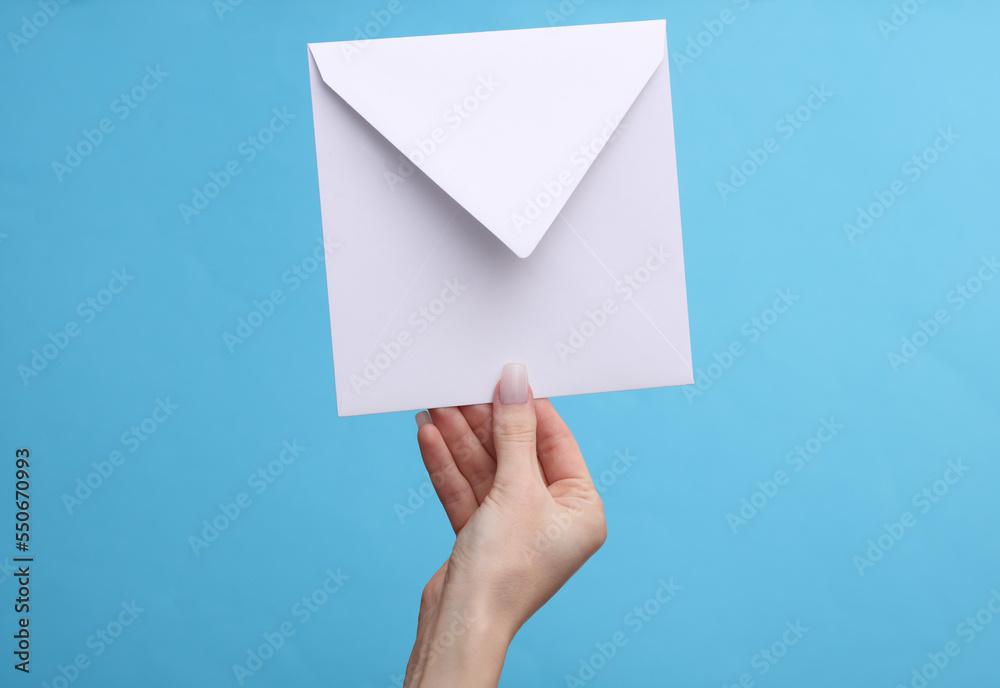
514 384
423 417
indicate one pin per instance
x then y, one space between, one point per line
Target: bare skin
526 516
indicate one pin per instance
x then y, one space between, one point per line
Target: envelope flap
506 122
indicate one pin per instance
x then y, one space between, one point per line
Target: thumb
514 424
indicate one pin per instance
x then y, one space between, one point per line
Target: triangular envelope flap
506 122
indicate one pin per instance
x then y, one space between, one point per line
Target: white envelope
496 197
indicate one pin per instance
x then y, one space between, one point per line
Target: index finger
557 449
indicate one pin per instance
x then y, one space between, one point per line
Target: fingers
557 450
471 457
454 491
514 425
480 419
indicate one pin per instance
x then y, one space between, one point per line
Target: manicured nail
514 384
423 417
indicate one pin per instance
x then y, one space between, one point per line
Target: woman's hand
525 522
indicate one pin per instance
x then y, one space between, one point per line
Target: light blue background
335 506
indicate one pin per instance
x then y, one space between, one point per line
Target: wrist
466 645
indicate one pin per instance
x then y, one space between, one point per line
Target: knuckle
515 430
594 535
596 524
